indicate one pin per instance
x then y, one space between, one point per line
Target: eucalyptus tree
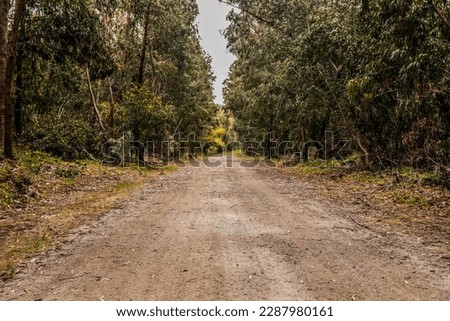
82 66
375 71
172 64
9 44
4 9
402 88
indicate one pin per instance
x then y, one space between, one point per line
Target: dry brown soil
234 233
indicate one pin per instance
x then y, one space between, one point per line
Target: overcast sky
212 19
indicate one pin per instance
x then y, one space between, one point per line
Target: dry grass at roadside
403 199
43 198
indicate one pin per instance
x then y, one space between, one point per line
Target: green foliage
70 137
69 172
7 194
58 111
409 198
32 161
7 272
14 183
440 177
216 140
121 186
375 72
146 116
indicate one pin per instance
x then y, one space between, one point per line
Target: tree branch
270 23
440 14
113 106
357 223
94 102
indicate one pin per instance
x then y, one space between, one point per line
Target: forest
373 72
82 78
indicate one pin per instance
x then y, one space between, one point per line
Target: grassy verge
257 159
238 153
406 198
43 198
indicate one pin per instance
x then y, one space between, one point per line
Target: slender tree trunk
121 84
94 104
18 112
13 38
113 107
4 9
366 159
140 79
152 59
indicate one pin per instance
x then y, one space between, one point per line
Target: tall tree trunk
140 79
4 9
13 38
18 110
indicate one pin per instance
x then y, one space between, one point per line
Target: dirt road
232 233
